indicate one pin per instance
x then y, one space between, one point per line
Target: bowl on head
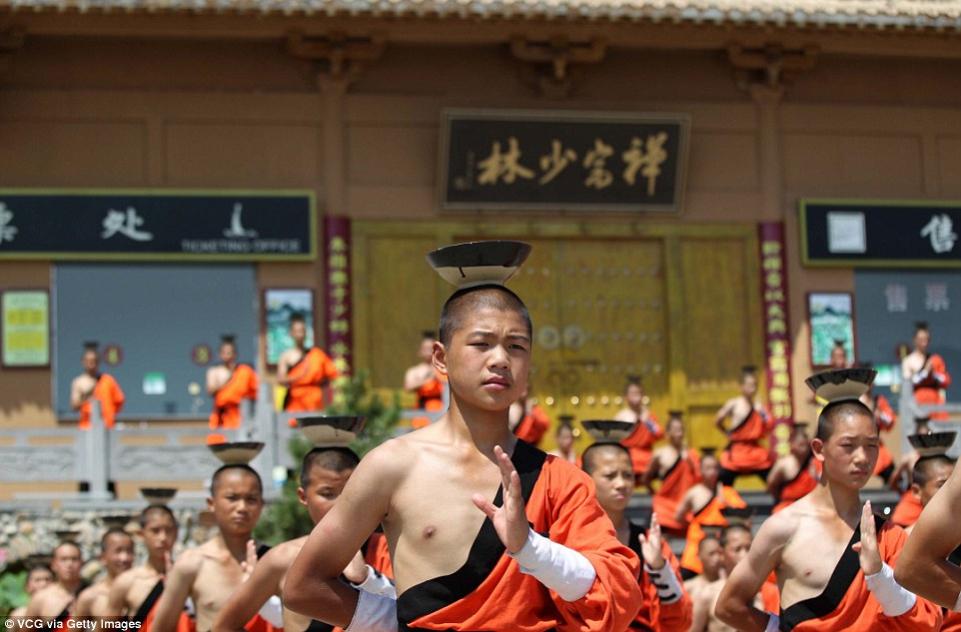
841 384
608 430
236 452
332 430
932 444
158 495
479 262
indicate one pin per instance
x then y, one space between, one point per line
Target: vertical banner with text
338 292
777 341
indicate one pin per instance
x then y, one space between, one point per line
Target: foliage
286 518
13 592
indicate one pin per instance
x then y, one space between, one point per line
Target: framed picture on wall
279 305
831 320
25 326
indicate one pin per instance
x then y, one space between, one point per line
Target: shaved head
234 467
837 411
925 466
591 454
472 299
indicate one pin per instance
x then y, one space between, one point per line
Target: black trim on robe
147 605
830 598
487 549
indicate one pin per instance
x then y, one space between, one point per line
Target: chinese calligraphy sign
562 160
777 335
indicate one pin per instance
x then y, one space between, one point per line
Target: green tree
286 518
13 593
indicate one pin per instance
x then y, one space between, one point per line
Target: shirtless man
229 383
94 385
56 600
677 468
745 455
667 606
735 543
641 441
116 555
433 489
210 573
929 475
564 438
795 474
712 566
830 554
137 592
38 577
323 474
926 372
422 374
306 372
908 509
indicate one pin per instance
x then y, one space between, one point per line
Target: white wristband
374 613
773 623
562 569
273 612
894 599
377 584
665 581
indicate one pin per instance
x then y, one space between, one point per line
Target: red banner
777 341
338 292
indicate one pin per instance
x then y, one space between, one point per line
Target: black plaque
853 233
157 225
562 160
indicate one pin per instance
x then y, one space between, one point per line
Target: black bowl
841 384
479 262
608 429
331 430
158 495
933 443
236 452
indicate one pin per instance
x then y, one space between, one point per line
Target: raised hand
510 519
867 548
168 563
651 545
247 566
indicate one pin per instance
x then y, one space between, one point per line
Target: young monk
564 438
55 602
38 577
701 507
423 380
137 592
677 468
229 383
794 475
734 545
323 473
464 503
745 455
831 555
666 606
305 372
116 555
93 385
646 429
210 573
926 372
839 356
712 565
908 509
528 420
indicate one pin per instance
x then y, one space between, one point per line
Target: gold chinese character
774 296
338 293
775 311
778 395
339 348
776 348
555 162
783 411
595 160
337 262
506 167
778 364
647 160
771 248
338 278
773 279
780 379
339 326
776 326
338 309
772 263
337 244
342 365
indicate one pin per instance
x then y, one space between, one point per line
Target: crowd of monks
464 524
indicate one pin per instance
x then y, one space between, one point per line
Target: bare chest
809 559
215 582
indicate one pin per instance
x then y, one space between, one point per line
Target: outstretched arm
722 414
922 567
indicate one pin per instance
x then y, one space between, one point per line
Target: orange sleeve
939 371
656 430
252 384
578 522
330 369
677 616
378 555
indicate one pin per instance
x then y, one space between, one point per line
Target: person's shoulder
395 456
282 555
46 593
779 528
625 414
190 561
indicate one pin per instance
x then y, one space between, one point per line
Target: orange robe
707 516
800 486
108 393
847 604
307 377
430 397
907 511
654 615
885 418
377 554
745 453
533 426
930 390
770 596
144 615
679 478
490 593
640 442
241 385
